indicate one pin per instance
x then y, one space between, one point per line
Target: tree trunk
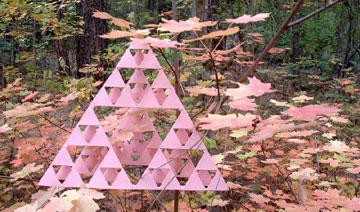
90 44
340 45
63 57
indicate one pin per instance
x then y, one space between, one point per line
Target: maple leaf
311 112
155 42
353 170
195 91
278 50
328 135
254 88
219 202
69 97
331 162
304 174
215 121
337 146
248 18
245 104
183 26
258 198
340 119
30 96
302 98
5 128
28 169
117 21
270 161
215 34
114 34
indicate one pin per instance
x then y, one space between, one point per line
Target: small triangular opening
110 174
161 94
195 156
114 93
134 173
206 177
62 172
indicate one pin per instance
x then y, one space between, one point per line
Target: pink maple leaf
5 128
254 88
258 198
30 96
310 112
245 104
248 18
270 161
331 162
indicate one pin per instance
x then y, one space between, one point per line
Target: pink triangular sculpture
183 121
102 99
161 81
115 80
105 162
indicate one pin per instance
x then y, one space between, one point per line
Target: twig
282 175
56 125
300 20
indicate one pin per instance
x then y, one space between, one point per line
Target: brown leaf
118 34
215 34
117 21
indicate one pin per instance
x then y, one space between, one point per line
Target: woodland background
53 61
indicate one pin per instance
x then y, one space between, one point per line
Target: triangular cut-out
115 80
161 81
161 94
114 93
139 57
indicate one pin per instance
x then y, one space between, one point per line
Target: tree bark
63 57
341 36
90 44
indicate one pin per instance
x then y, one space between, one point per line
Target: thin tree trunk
90 44
176 59
341 37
